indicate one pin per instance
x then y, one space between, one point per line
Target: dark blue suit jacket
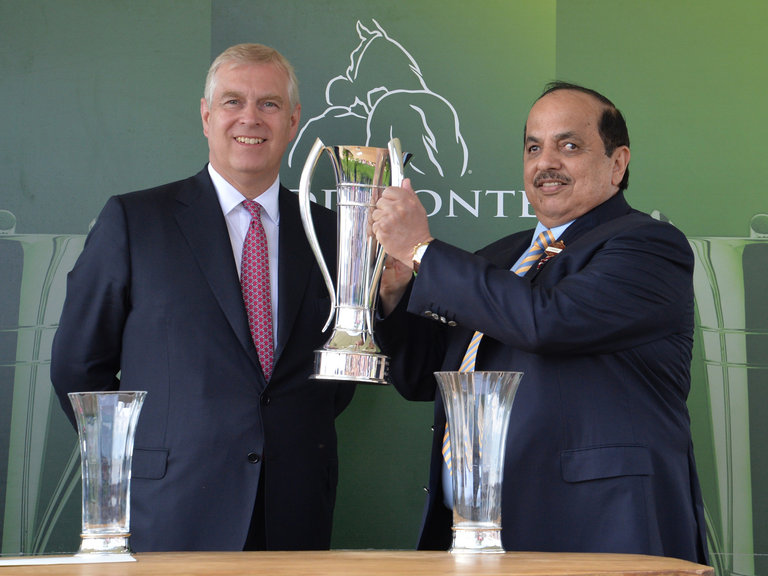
599 455
155 295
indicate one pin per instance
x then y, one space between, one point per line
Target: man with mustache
599 456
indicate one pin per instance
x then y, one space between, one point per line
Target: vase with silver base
478 407
106 424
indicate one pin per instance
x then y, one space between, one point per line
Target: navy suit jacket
155 296
599 456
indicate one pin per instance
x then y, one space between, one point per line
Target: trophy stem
106 424
478 406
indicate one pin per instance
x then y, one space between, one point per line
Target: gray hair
252 54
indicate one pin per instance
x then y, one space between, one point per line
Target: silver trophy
361 174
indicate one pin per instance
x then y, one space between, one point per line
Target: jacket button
253 458
426 489
266 399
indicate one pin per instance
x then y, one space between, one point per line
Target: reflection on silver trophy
478 406
106 423
361 174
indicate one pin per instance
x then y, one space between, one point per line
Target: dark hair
612 126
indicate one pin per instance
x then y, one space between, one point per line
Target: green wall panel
689 77
99 97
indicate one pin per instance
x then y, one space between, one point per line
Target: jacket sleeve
416 347
623 284
87 344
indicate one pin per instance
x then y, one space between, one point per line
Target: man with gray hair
205 293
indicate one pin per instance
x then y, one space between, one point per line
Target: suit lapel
505 252
612 208
295 263
203 226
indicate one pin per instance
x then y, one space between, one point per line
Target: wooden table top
376 563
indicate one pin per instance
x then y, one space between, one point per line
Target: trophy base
103 544
361 367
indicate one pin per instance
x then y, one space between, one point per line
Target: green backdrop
102 97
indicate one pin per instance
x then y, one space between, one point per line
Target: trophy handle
397 161
309 226
397 166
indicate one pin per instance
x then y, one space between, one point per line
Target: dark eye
533 149
570 146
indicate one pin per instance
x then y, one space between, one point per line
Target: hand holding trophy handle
397 163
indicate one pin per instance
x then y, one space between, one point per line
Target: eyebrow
565 136
230 94
238 94
562 136
272 97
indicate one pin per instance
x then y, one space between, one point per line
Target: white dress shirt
239 219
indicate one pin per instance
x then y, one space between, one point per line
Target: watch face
419 254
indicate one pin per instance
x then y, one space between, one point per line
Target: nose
548 158
250 114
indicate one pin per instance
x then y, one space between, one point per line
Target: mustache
550 175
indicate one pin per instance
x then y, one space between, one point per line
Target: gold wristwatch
418 254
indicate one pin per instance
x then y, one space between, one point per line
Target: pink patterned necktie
470 356
254 281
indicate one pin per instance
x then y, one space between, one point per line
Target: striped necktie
254 281
470 356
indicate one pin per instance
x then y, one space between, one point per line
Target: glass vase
478 407
106 424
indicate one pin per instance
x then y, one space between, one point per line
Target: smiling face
567 172
249 124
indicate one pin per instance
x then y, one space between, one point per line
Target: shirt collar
556 231
230 198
